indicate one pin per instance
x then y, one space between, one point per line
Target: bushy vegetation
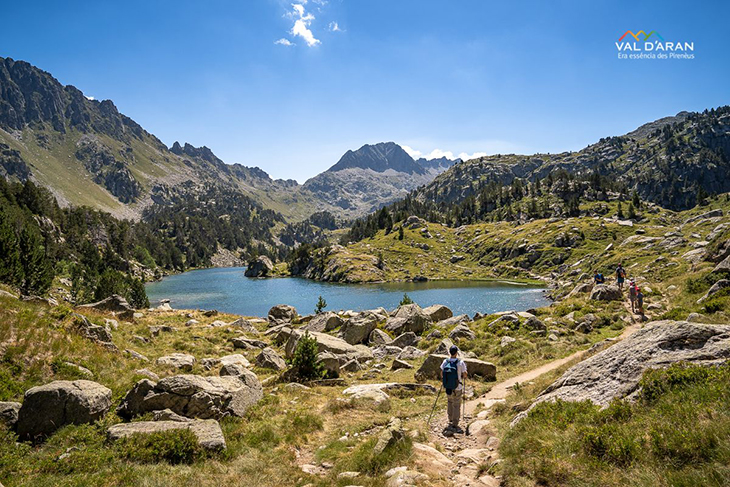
304 363
174 447
676 433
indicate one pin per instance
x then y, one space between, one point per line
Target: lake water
228 290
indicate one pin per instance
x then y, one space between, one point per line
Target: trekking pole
463 402
428 423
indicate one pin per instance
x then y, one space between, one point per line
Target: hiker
620 276
598 278
632 294
640 301
453 372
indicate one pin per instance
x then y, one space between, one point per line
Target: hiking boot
457 429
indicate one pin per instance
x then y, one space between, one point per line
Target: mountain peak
379 158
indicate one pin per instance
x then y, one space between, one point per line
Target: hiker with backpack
598 278
453 371
620 276
640 301
632 295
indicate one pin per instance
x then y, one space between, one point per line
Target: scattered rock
379 337
410 353
114 304
207 431
269 359
400 364
716 288
462 331
507 341
409 317
234 359
431 368
180 361
407 339
95 333
48 407
392 434
606 292
444 347
194 396
438 312
454 320
248 343
148 373
9 413
282 313
331 364
322 322
358 328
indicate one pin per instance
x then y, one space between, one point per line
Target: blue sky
459 76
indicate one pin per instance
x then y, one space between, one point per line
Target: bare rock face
431 368
269 359
322 322
281 313
606 292
616 371
438 312
358 328
48 407
207 431
113 304
194 396
261 267
408 318
716 288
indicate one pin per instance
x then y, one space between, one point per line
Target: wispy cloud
434 154
334 27
302 22
284 42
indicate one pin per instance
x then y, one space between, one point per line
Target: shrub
406 300
305 363
321 305
174 447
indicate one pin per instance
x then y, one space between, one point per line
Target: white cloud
438 154
284 42
89 97
334 27
416 154
301 25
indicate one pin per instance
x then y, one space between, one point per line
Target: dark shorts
620 280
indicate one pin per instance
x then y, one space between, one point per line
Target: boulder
438 312
583 288
407 339
351 366
454 320
606 292
410 353
716 288
113 304
136 355
9 413
462 331
379 337
409 317
48 407
431 368
232 370
243 323
444 347
392 434
207 431
331 364
96 333
392 387
322 322
260 267
325 343
616 371
506 341
248 343
269 359
400 364
533 323
358 328
194 396
370 398
723 266
384 351
181 361
281 313
234 359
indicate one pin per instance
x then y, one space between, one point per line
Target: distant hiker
632 295
620 276
640 301
598 278
453 371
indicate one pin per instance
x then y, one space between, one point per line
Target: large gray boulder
606 292
431 368
407 339
616 371
9 413
454 320
723 266
182 361
321 322
113 304
261 267
331 364
444 347
409 317
96 333
438 312
269 359
48 407
462 331
207 431
716 288
358 328
281 313
194 396
325 343
379 337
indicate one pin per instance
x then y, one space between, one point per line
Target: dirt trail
455 446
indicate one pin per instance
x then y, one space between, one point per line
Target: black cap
453 349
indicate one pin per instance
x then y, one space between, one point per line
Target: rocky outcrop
113 304
269 359
281 314
93 332
431 368
409 317
207 431
357 329
325 343
194 396
323 322
606 292
48 407
616 371
260 267
716 288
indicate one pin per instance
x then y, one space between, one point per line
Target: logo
643 45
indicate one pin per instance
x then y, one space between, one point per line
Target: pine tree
37 269
400 232
321 305
620 212
305 364
11 271
632 211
